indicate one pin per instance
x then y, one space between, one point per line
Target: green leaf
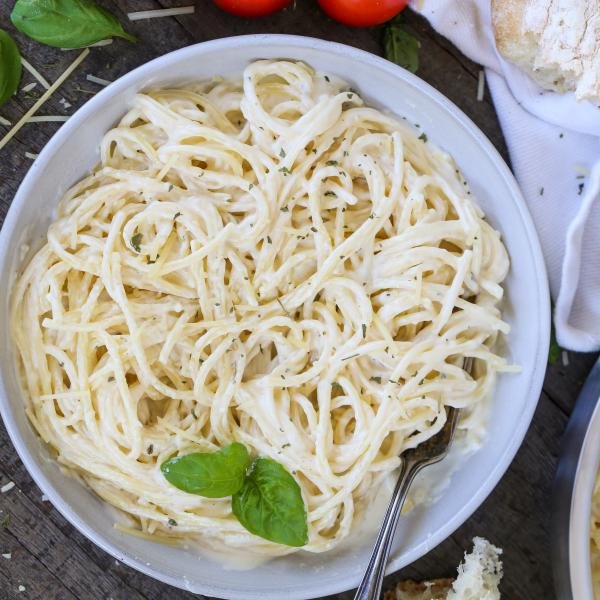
210 474
66 23
10 67
400 46
270 504
554 350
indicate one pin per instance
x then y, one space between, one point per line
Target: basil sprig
400 46
270 504
210 474
66 23
266 499
10 67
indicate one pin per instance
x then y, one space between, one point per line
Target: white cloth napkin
554 146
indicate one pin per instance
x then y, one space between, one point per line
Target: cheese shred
480 85
29 67
48 119
161 13
97 80
25 118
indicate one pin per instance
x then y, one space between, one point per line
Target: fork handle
370 586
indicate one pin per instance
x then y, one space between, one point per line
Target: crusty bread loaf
479 574
556 41
478 578
420 590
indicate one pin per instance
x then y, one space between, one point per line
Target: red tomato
251 8
362 13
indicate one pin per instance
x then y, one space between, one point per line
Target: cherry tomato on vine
251 8
362 13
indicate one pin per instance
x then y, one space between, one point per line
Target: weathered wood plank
46 542
16 472
563 382
24 569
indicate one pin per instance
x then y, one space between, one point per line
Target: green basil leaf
554 350
210 474
10 67
66 23
400 46
270 504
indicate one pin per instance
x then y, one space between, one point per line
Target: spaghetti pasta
595 539
267 261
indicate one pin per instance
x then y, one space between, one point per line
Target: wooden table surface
49 559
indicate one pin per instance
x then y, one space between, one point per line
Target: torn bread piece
478 578
557 42
420 590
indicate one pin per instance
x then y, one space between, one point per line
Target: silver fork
414 459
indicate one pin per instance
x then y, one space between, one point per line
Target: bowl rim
364 59
573 489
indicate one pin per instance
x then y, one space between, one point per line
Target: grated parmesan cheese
35 73
480 85
29 86
102 43
48 119
97 80
96 45
31 156
161 12
479 574
43 98
7 487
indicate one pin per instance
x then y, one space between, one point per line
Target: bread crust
507 18
557 42
420 590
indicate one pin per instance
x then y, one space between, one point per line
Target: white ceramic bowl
573 491
74 150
